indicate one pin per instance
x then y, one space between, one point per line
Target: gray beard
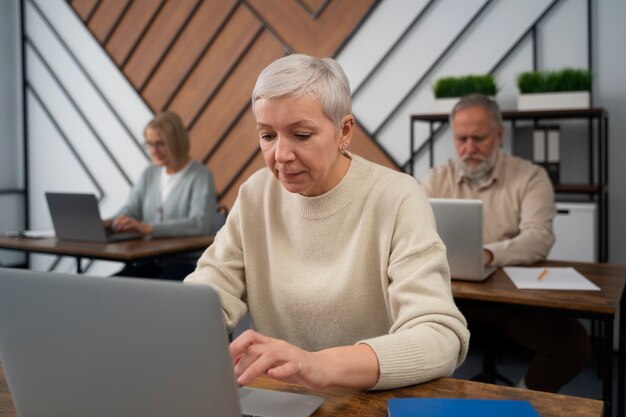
477 173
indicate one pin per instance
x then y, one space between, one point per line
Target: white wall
85 121
11 168
610 92
562 40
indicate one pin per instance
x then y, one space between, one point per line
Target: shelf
597 186
576 188
524 114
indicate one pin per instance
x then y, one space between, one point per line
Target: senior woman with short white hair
336 258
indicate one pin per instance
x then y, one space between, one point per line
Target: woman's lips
290 175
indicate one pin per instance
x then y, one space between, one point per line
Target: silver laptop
90 346
76 216
460 226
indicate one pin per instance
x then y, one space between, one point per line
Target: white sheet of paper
555 279
40 233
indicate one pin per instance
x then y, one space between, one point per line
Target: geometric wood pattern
201 58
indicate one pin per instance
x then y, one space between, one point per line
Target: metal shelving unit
595 189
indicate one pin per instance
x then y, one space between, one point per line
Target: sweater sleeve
428 337
134 203
201 210
222 267
535 239
427 186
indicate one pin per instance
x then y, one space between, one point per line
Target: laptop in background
460 226
76 216
91 346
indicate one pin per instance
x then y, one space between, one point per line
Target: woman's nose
284 151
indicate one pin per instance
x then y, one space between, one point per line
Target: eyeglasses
159 146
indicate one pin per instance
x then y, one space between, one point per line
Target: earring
342 149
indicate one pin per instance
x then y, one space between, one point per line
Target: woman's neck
173 169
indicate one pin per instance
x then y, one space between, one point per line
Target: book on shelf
542 146
458 407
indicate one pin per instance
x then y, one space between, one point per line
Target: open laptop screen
90 346
460 226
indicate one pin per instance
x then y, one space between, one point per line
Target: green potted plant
448 90
560 89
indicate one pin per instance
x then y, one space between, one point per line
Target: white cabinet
575 228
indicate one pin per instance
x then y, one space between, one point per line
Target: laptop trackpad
269 403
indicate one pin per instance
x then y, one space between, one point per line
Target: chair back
219 218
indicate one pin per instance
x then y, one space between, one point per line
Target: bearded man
517 196
518 208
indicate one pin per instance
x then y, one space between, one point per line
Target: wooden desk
601 305
125 251
346 403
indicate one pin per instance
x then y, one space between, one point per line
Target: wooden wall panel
233 97
313 6
231 194
105 17
157 40
216 64
363 145
201 58
241 142
321 36
181 59
84 8
130 29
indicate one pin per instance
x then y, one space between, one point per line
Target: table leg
79 267
607 373
621 361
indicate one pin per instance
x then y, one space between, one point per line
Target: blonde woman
175 196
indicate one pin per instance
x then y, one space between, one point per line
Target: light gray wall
85 121
610 92
562 38
11 168
562 42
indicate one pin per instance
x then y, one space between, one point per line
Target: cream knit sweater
359 264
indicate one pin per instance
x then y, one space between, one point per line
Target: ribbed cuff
400 361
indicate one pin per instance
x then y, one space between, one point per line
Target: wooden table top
499 288
124 251
345 402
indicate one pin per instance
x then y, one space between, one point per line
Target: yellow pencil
543 274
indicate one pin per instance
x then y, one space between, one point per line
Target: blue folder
458 407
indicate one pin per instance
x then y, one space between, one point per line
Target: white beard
480 171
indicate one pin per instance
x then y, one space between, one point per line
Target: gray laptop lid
460 226
89 346
76 216
100 347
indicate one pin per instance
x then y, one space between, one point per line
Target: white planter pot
444 105
550 101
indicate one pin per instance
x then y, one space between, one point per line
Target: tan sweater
359 263
518 206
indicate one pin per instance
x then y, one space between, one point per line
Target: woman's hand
254 354
487 257
128 224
